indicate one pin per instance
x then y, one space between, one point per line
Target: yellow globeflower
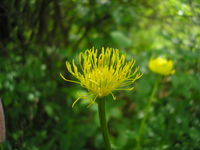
102 72
161 66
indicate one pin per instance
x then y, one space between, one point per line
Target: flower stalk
103 123
146 113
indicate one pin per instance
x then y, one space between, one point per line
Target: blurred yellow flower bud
161 66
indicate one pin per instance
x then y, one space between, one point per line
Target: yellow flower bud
161 66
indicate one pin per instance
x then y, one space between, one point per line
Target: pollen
103 71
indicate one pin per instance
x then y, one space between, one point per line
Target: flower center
101 81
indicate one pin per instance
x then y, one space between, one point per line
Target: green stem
102 119
146 113
1 146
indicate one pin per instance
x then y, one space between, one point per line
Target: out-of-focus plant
161 66
101 74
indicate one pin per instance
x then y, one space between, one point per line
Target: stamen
69 80
114 98
126 89
92 102
75 101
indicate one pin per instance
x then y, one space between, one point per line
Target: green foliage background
38 36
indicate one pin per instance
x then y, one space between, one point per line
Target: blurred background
38 36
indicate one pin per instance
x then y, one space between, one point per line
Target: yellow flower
161 66
102 72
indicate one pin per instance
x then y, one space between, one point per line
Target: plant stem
1 146
146 113
103 124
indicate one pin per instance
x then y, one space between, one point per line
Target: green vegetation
38 36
